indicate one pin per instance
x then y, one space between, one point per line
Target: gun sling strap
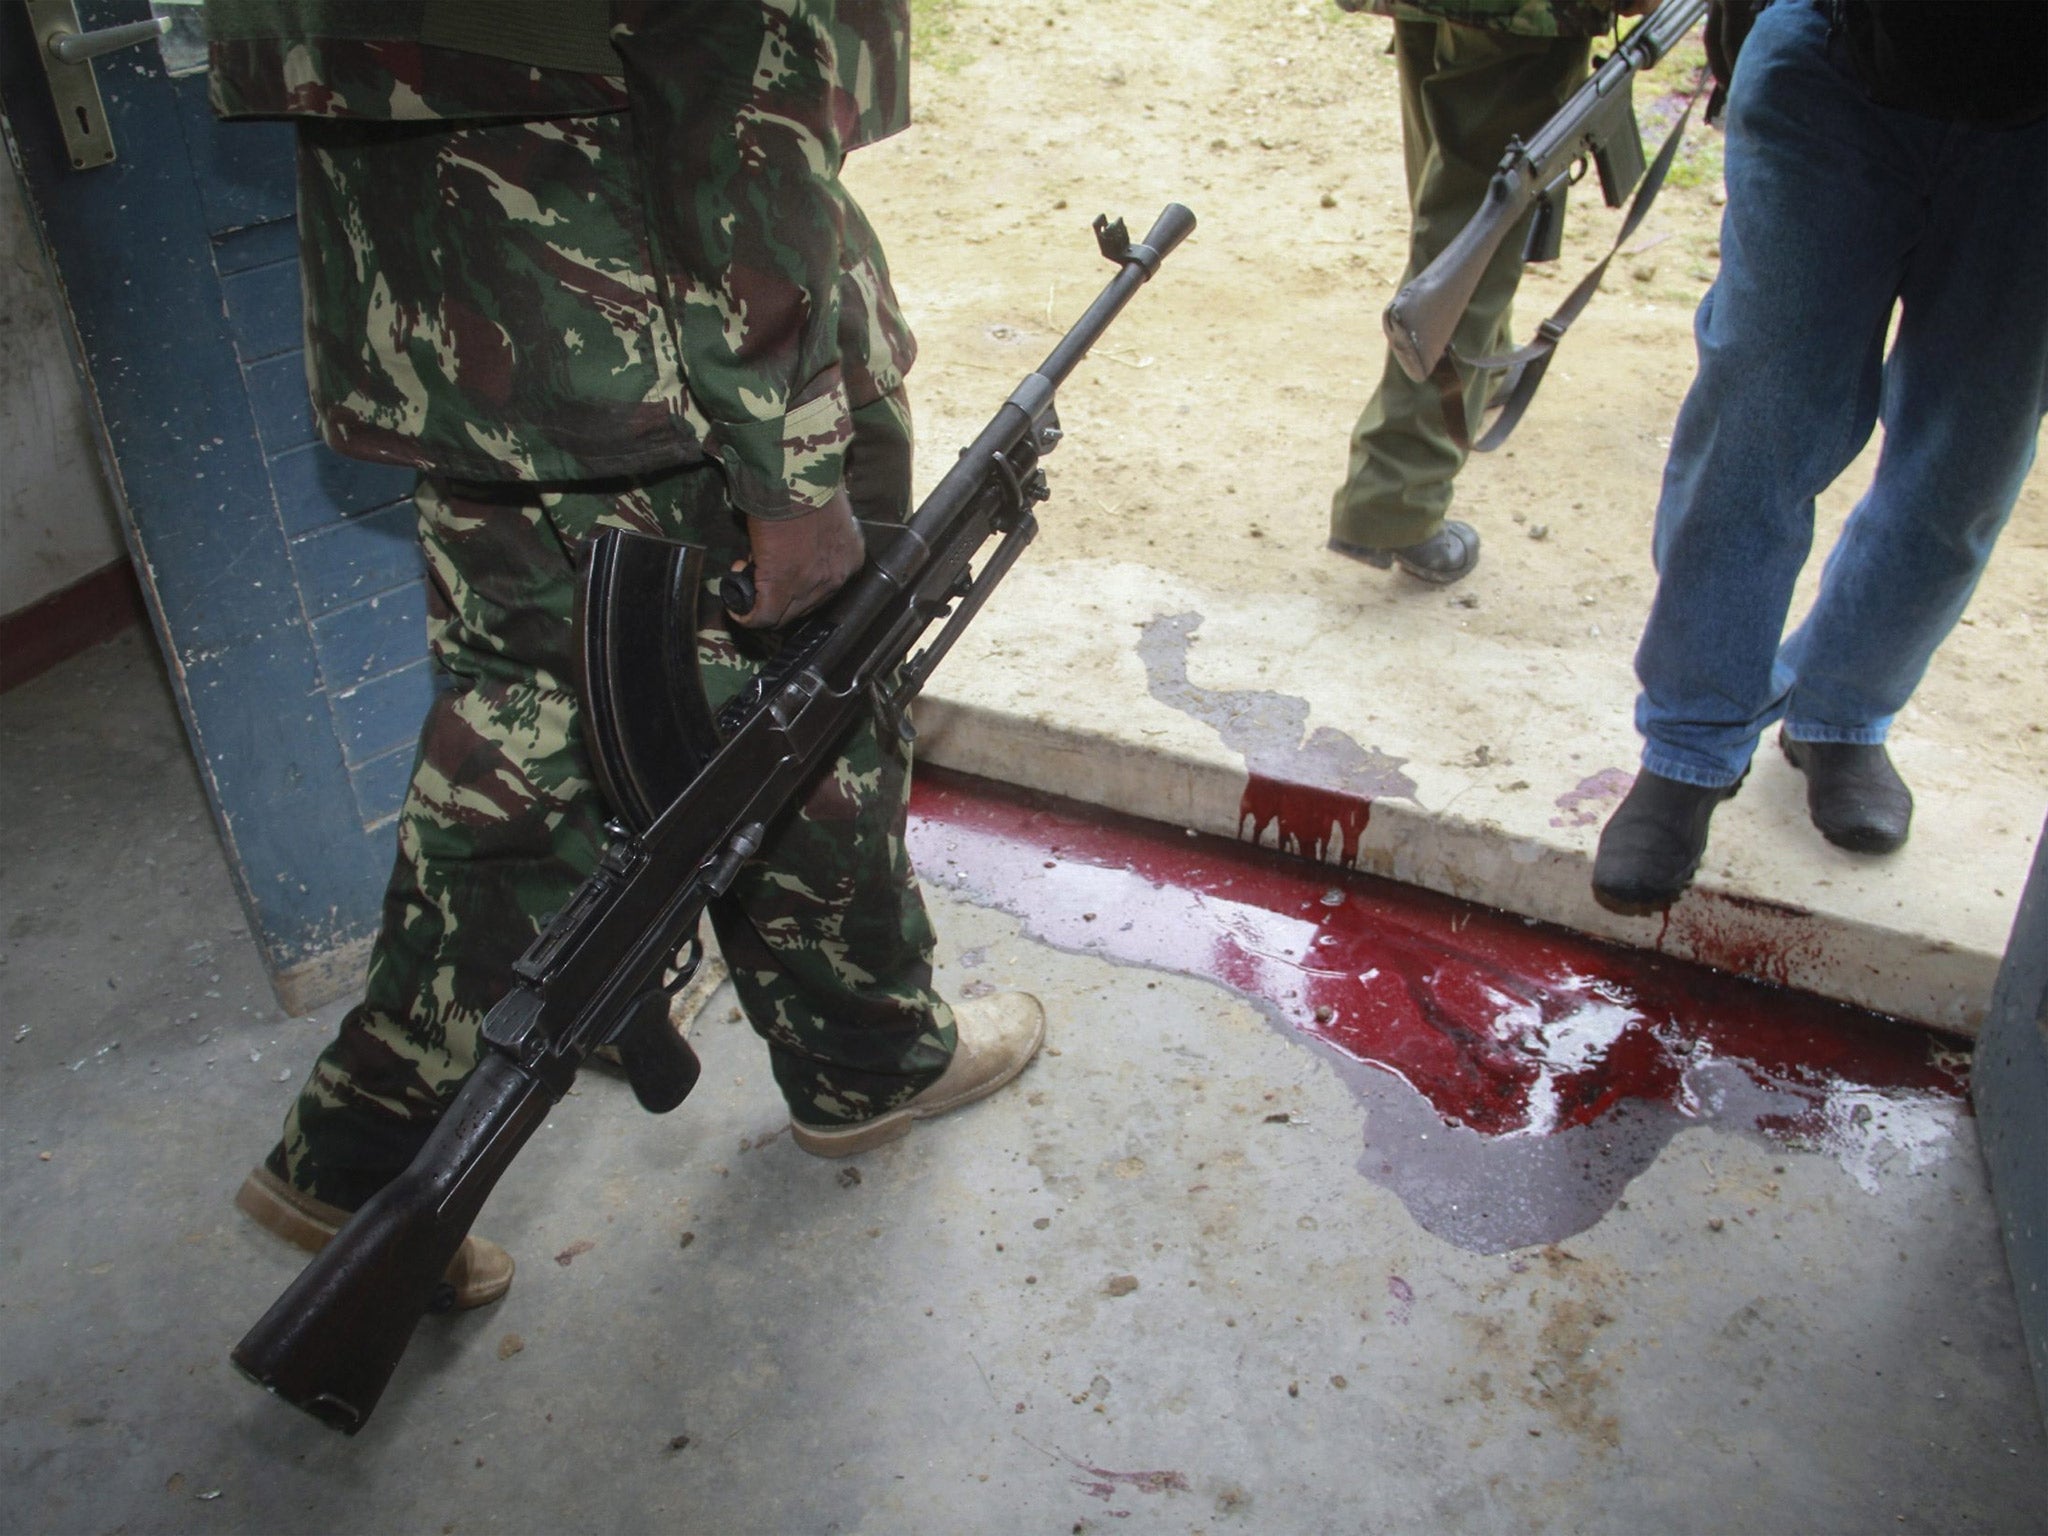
1525 366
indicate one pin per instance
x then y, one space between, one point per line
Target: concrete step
1466 765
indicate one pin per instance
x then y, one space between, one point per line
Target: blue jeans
1838 212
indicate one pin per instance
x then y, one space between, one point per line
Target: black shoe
1652 844
1446 556
1853 793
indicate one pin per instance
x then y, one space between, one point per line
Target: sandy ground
1209 431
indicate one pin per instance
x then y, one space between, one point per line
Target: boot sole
1378 559
1862 840
878 1132
896 1124
1387 559
1639 906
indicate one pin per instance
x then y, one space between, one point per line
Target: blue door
284 580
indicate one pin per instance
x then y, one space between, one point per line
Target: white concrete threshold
1468 767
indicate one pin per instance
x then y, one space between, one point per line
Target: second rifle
1597 123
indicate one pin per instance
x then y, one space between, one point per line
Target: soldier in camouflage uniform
1474 73
588 263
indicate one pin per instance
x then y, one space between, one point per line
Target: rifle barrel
1174 224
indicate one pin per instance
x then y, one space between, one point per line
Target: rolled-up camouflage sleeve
740 135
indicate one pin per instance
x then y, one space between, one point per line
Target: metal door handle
67 53
76 47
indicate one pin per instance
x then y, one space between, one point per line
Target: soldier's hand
799 562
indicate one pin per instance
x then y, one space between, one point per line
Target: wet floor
1520 1075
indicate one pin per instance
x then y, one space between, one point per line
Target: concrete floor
942 1336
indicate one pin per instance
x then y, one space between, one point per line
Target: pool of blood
1506 1027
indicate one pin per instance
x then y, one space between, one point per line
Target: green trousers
824 930
1465 91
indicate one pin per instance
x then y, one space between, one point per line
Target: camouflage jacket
520 270
1529 18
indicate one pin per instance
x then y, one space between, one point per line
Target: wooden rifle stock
330 1343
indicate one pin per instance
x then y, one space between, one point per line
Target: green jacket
519 266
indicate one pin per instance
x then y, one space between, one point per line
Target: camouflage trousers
825 930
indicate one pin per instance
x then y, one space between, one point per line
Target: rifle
601 971
1597 123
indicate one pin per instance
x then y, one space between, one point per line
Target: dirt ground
1210 429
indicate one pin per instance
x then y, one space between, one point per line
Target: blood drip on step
1303 819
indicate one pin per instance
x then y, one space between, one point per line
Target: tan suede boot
998 1037
480 1273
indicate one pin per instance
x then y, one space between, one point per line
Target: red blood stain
1508 1027
1303 818
1765 939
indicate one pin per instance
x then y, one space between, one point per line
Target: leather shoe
998 1037
480 1273
1448 555
1652 845
1853 793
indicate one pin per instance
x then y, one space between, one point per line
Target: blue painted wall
285 581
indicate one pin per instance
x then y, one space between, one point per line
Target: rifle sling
1526 365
